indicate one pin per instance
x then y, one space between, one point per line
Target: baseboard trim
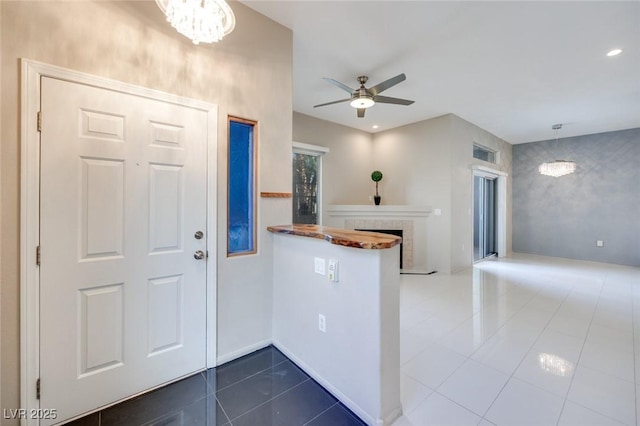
230 356
335 392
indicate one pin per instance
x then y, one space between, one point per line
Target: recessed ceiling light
375 126
614 52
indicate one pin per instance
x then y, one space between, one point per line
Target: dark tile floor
260 389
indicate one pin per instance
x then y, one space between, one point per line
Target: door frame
501 207
31 73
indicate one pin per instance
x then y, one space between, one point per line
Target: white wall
415 161
425 163
463 136
248 74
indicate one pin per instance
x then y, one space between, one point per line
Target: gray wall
600 201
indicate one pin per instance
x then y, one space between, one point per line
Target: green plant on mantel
376 176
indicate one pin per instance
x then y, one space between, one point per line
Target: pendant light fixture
559 167
202 21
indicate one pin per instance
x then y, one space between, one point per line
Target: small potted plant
376 176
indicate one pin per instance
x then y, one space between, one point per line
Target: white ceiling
513 68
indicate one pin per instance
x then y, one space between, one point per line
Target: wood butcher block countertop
341 237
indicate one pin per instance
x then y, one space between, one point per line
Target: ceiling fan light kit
363 98
363 102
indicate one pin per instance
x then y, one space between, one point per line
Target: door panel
165 208
165 314
101 208
101 337
122 299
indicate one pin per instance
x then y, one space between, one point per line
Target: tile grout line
458 404
596 300
594 294
528 350
564 403
415 326
467 358
215 392
437 341
250 376
269 400
321 413
435 390
602 372
222 408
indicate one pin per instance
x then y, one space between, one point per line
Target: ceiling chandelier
202 21
559 167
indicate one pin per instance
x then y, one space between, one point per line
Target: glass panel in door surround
241 188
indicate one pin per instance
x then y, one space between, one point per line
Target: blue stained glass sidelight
241 198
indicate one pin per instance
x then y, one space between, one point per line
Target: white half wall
416 163
358 357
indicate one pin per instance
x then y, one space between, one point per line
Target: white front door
123 194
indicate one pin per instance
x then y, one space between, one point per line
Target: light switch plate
319 266
333 270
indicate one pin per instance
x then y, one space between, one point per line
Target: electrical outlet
599 243
322 323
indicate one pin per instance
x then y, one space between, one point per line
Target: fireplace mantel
365 210
412 220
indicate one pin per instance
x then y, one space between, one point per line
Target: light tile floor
521 340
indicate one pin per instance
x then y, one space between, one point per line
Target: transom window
483 153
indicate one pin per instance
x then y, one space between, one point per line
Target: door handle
198 255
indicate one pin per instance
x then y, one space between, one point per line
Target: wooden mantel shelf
384 210
342 237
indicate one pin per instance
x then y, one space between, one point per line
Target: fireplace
396 232
412 220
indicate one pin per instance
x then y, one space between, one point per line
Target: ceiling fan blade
378 88
361 112
388 100
340 85
331 103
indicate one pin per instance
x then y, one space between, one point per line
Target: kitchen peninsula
336 313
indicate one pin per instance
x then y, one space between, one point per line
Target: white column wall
358 357
415 160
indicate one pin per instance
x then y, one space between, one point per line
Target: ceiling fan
363 98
